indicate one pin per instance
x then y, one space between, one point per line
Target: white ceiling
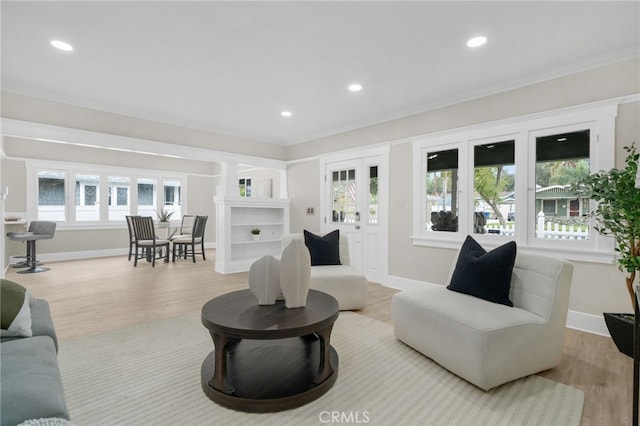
232 67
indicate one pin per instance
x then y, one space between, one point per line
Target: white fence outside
547 230
562 232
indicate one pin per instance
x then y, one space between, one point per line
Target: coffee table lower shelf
270 375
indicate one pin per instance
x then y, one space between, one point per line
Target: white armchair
486 343
344 282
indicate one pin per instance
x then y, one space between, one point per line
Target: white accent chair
345 282
486 343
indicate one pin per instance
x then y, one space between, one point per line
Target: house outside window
51 195
87 187
118 197
535 207
147 197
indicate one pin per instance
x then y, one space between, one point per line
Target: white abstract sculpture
264 280
295 273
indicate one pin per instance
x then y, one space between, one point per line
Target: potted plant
256 233
163 217
618 215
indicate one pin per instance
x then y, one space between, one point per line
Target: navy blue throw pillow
483 274
324 250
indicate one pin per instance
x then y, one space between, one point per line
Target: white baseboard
587 322
89 254
582 321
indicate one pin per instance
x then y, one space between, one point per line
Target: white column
229 180
284 191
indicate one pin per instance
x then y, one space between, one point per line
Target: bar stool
27 261
38 230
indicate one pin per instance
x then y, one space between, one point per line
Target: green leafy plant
164 215
255 231
618 211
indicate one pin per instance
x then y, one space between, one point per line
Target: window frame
70 171
599 118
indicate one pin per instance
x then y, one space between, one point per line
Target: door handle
357 226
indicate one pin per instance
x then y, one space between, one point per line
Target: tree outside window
441 185
494 185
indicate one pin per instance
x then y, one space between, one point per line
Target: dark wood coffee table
268 358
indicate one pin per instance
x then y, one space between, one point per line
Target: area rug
150 375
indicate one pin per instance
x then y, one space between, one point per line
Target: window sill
101 226
454 243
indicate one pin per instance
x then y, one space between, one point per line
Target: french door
355 193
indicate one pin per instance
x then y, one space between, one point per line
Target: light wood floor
99 295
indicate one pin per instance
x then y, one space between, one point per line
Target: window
72 196
441 196
173 197
467 183
548 207
343 189
118 197
245 187
51 195
561 160
494 187
373 207
87 197
147 197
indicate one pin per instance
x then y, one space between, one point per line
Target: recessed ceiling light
355 87
62 45
476 41
286 113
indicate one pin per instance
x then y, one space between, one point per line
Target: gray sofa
30 379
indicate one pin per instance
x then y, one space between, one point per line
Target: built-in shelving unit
235 218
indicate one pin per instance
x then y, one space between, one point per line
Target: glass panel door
344 195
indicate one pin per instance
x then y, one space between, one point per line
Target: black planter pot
621 329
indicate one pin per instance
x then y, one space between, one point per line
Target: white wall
596 287
201 184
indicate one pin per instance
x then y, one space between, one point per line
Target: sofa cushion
485 343
483 274
15 312
345 283
41 321
31 383
324 250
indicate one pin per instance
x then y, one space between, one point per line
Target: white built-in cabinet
236 248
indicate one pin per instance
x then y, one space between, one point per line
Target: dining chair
185 231
187 244
145 239
186 227
132 237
